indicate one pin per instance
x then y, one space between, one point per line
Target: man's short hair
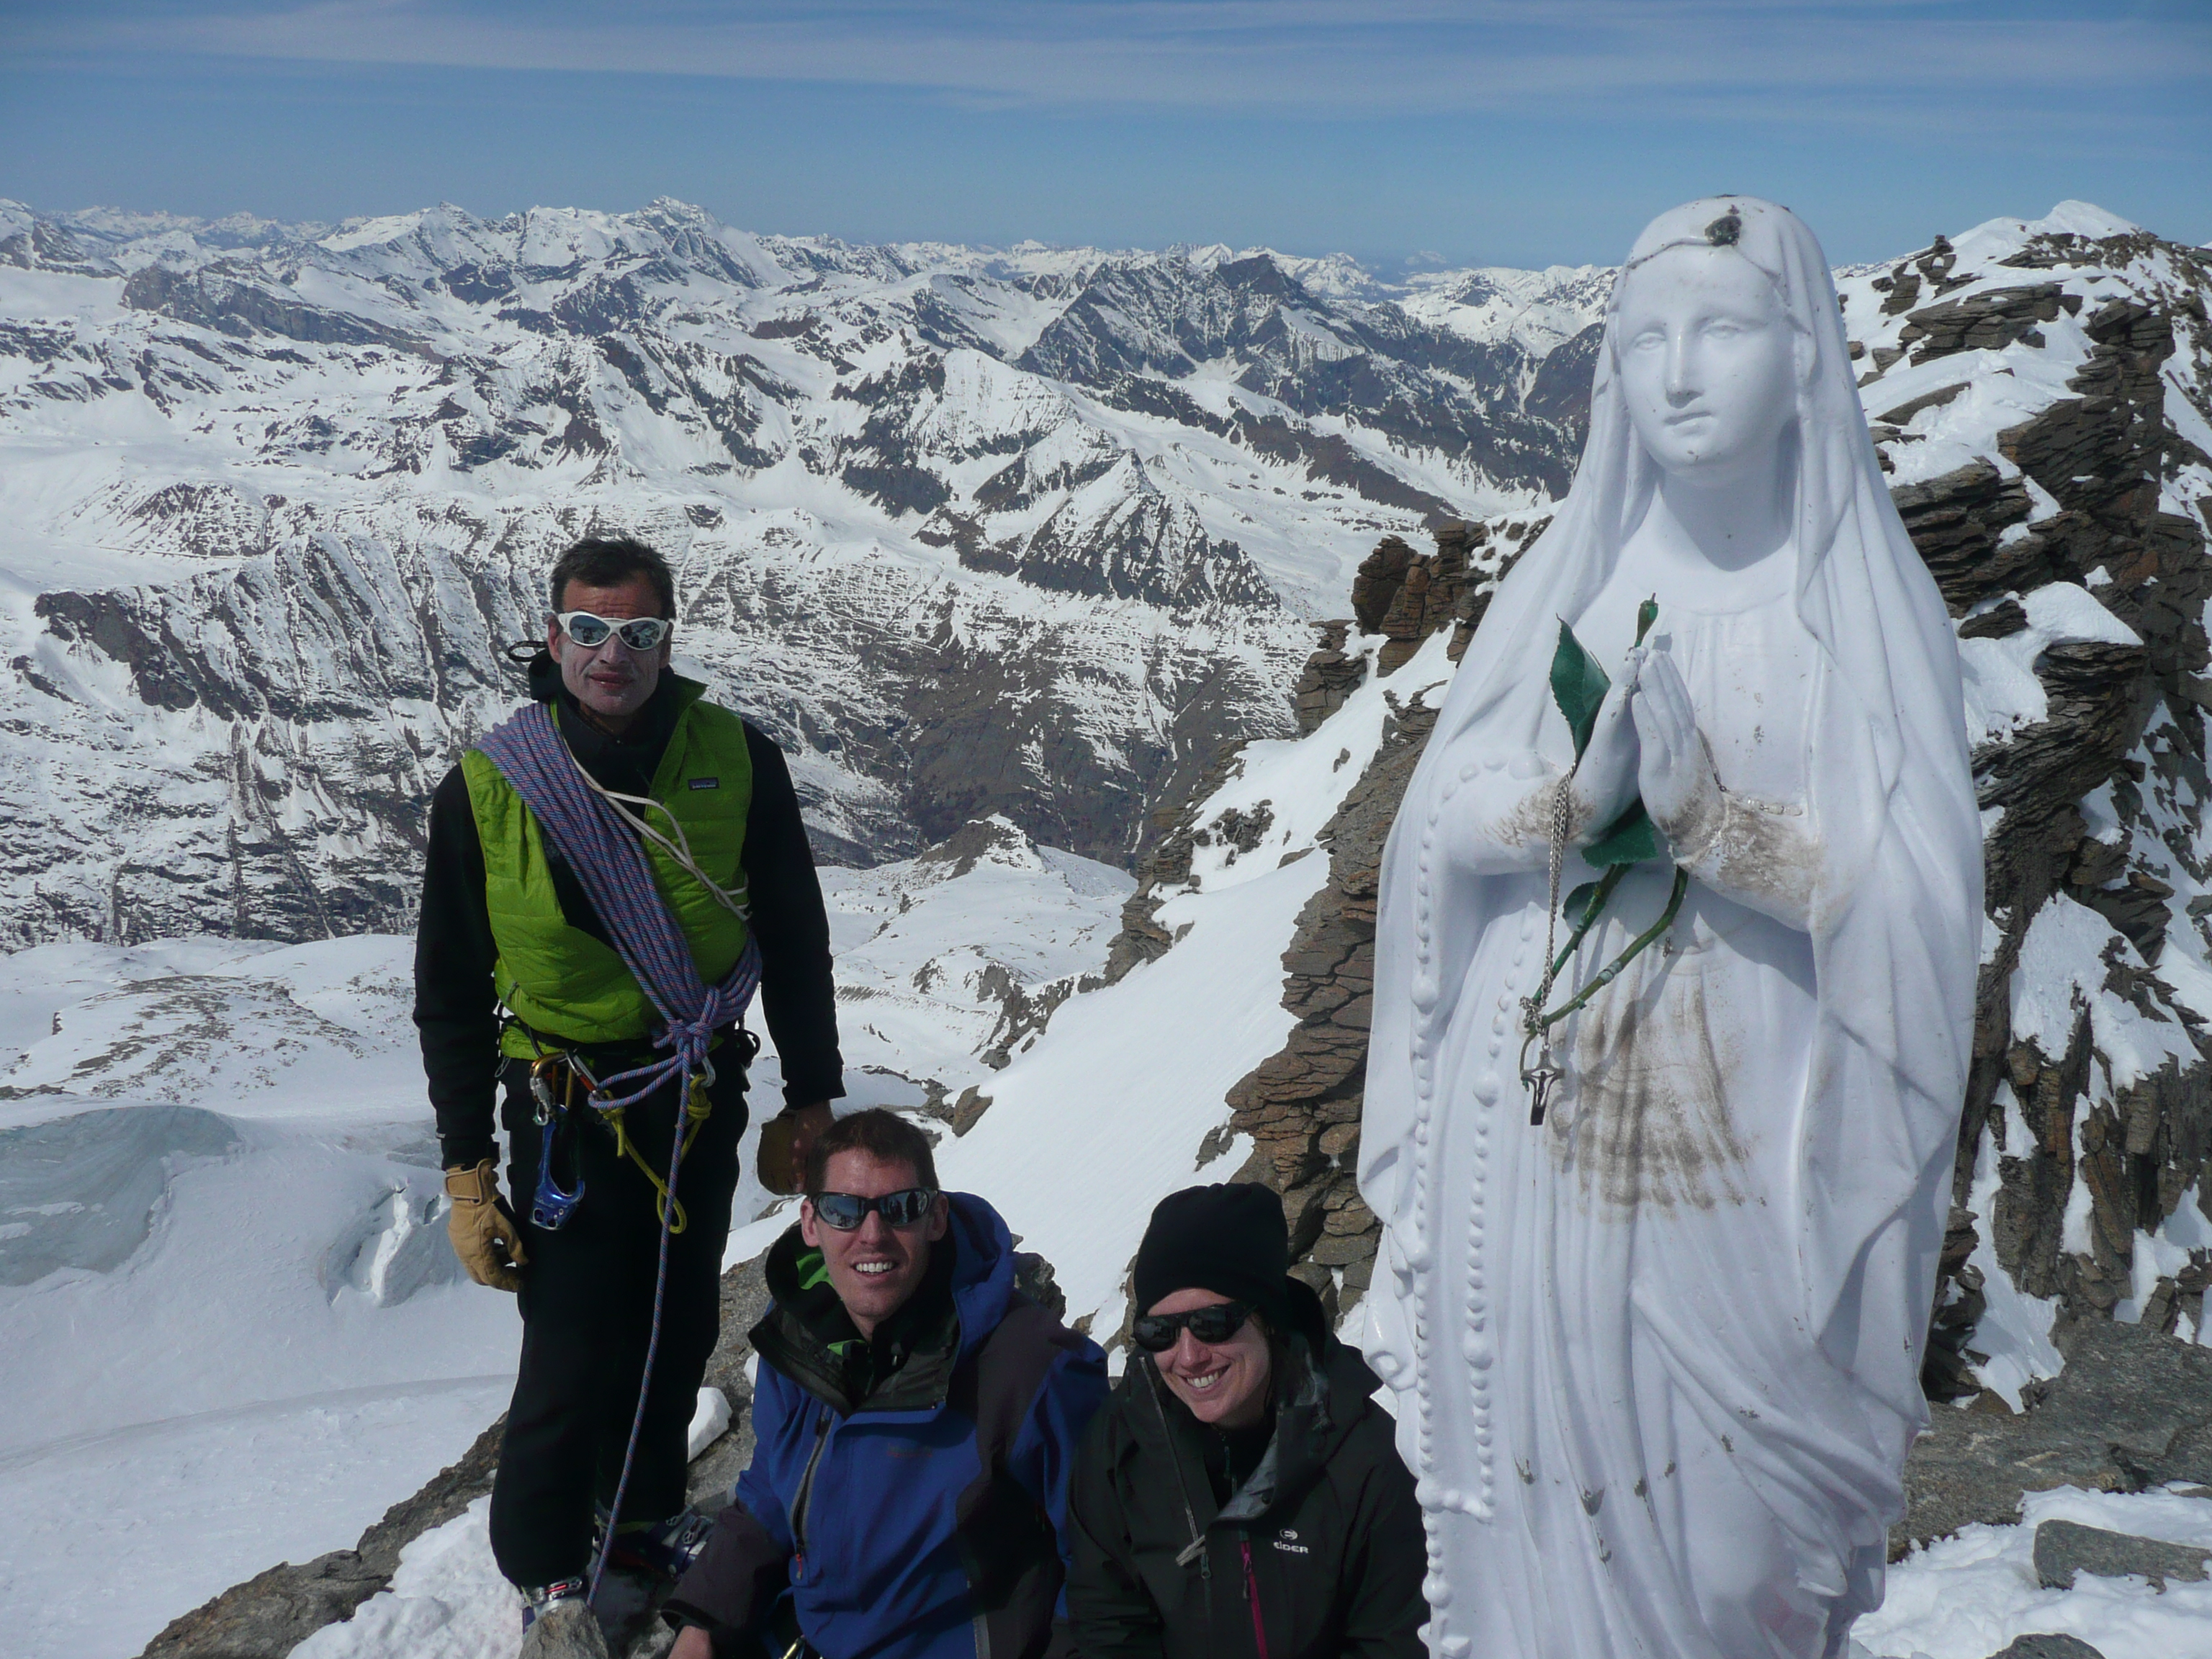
883 1135
610 561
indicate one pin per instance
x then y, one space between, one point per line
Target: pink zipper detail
1252 1594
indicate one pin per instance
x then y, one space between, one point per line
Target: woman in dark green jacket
1240 1496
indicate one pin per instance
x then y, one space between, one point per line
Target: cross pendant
1538 1079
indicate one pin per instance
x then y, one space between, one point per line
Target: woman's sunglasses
1156 1332
638 633
908 1208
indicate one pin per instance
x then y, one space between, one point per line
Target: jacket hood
982 1267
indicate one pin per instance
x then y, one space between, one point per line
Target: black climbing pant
586 1303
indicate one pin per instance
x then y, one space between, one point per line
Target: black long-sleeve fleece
455 1005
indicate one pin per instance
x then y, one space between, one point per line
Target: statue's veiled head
1707 352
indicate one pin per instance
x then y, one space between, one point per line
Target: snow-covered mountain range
1030 531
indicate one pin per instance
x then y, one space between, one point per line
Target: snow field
105 1537
916 941
235 1332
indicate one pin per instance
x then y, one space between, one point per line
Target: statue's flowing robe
1657 1361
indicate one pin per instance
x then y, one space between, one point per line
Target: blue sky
1513 131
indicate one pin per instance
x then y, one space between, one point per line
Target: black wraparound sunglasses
638 633
1156 1332
907 1207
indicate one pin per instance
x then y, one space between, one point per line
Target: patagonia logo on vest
706 783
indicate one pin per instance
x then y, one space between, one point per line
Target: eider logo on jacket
706 783
1287 1541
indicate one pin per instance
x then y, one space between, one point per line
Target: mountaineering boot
666 1547
557 1623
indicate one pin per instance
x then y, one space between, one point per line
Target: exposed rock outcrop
2064 1548
1406 596
1329 678
2131 1411
2047 1644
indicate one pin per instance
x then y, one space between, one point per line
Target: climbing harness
601 842
552 1205
1579 687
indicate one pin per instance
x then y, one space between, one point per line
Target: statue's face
1705 359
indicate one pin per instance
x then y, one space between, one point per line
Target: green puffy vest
560 980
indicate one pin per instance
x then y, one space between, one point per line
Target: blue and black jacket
907 1495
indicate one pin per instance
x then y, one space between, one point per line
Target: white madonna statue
1657 1355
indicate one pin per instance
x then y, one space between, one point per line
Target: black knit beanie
1231 1240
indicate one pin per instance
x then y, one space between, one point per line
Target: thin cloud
1910 59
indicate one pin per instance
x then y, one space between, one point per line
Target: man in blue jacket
916 1420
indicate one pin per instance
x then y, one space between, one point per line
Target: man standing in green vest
518 982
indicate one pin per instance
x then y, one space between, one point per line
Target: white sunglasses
638 633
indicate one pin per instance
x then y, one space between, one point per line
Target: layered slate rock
1329 678
2048 1645
1406 596
2131 1411
2064 1548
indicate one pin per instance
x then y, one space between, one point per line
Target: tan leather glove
785 1141
482 1229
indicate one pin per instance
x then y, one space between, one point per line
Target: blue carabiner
551 1205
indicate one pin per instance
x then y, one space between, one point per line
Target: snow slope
945 956
1122 1100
